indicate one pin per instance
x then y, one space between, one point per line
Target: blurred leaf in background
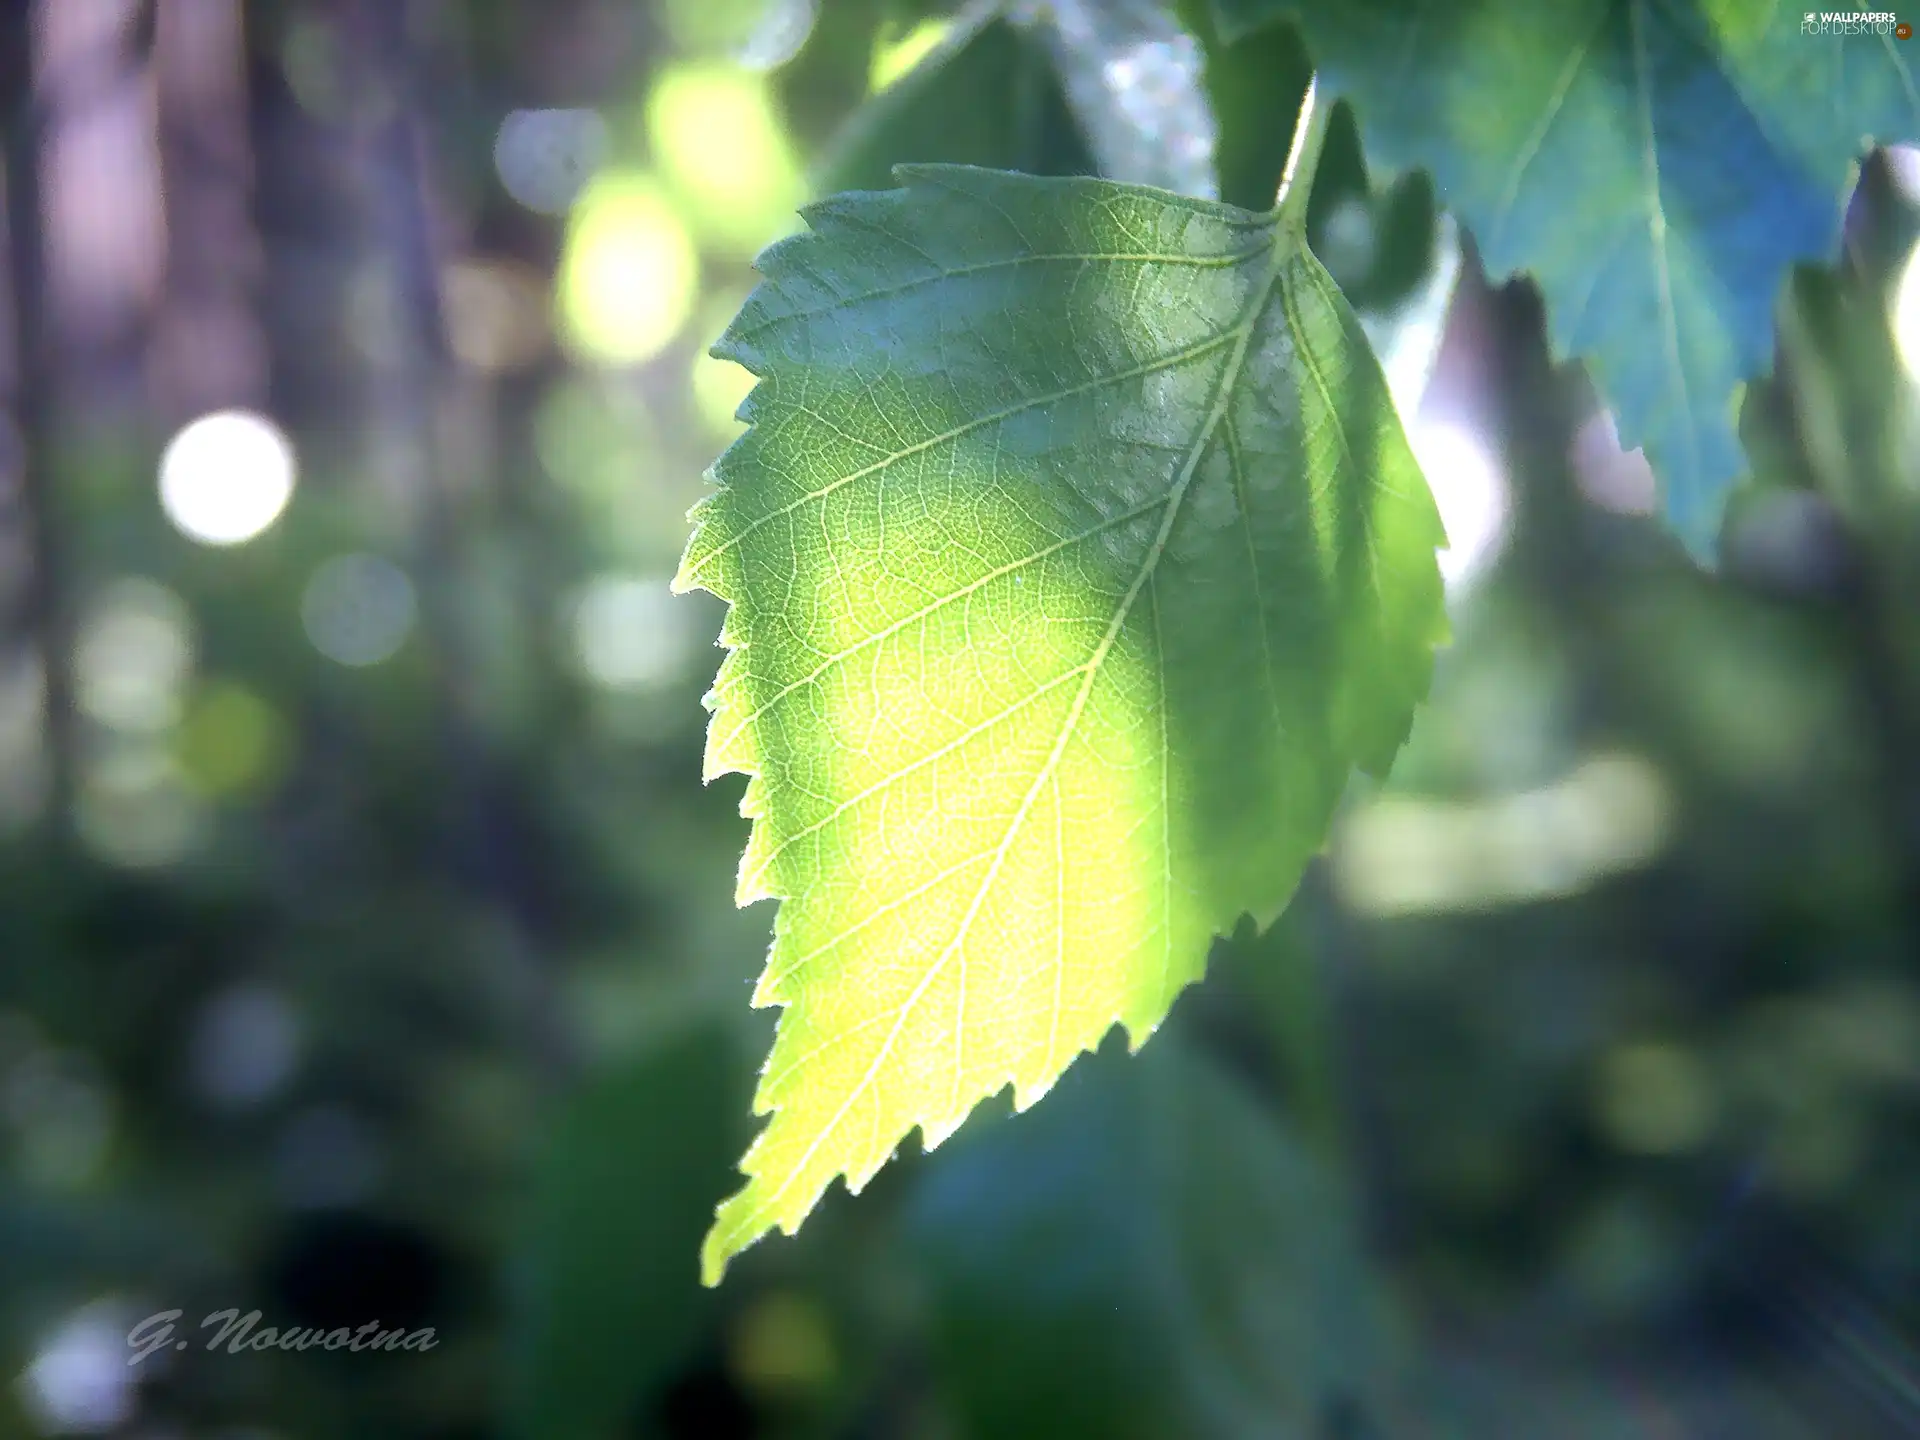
611 1303
1128 1260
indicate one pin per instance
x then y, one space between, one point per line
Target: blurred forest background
367 947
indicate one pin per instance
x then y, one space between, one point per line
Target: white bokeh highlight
1471 493
226 477
79 1381
545 157
629 633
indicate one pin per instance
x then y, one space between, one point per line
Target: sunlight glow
1904 162
716 136
1906 315
1402 854
1471 493
628 273
1407 338
719 389
226 477
893 58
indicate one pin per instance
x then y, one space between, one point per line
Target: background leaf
609 1298
988 95
1078 89
1059 617
1130 1260
1658 168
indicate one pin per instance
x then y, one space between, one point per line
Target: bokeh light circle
545 157
226 477
629 633
628 275
358 609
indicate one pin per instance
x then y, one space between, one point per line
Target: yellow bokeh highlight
783 1343
894 58
629 272
720 143
233 744
710 24
719 386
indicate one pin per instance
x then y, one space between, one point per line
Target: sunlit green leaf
1658 168
1075 555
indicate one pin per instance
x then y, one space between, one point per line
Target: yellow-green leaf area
1075 556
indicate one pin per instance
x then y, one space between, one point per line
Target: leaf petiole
1296 181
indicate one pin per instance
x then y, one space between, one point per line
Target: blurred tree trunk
431 421
208 351
37 637
100 209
